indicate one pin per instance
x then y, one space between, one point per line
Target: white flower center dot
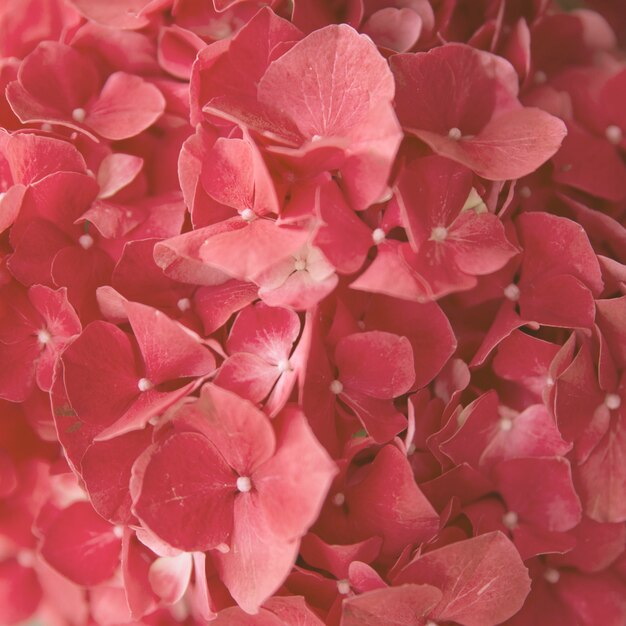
512 292
43 336
118 531
455 134
343 587
248 215
439 233
224 548
506 424
244 484
144 384
47 128
525 191
26 558
284 366
85 241
339 498
299 265
510 519
378 235
336 387
614 134
79 115
184 304
612 401
540 77
552 575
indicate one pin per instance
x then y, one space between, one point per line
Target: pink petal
395 29
106 467
404 605
126 106
293 484
20 593
81 545
388 503
116 171
181 484
376 363
483 580
170 575
169 351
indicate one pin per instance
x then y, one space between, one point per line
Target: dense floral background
312 312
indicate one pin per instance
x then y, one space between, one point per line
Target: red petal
81 545
183 491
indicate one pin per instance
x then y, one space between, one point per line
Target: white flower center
299 265
224 548
85 241
244 484
343 587
512 292
540 77
612 401
378 235
284 366
614 134
118 531
552 575
26 558
525 191
47 128
248 215
339 498
43 336
510 519
184 304
506 424
336 387
439 233
144 384
455 134
79 115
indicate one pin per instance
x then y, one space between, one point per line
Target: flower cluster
312 312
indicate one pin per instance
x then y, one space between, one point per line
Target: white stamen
299 265
129 213
378 235
26 558
85 241
248 215
244 484
144 384
512 292
614 134
184 304
525 191
506 424
343 587
79 115
549 381
336 387
47 128
455 134
224 548
552 575
510 519
43 336
540 77
118 531
284 366
612 401
439 233
431 623
411 449
339 498
316 138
